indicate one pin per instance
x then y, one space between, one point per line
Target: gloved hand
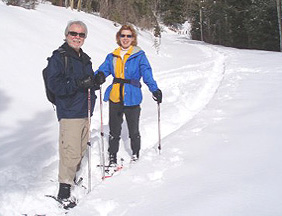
157 96
87 82
100 78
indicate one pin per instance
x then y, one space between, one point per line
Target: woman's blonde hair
130 28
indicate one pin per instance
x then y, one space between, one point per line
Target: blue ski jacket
136 67
71 101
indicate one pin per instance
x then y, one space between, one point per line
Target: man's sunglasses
82 35
123 35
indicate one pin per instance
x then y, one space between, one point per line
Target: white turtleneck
123 52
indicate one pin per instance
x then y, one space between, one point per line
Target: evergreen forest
248 24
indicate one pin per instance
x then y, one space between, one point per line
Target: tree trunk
201 23
66 3
279 21
71 4
79 5
104 8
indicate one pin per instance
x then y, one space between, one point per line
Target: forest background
248 24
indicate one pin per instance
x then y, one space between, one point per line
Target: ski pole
102 135
159 128
89 141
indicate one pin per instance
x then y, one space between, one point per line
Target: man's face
76 36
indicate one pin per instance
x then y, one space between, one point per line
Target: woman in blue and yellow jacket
127 64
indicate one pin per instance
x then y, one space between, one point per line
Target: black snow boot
135 157
64 196
113 159
64 191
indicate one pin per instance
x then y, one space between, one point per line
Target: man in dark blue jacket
69 79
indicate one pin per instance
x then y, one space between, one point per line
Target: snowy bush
27 4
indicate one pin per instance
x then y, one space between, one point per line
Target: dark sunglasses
123 35
82 35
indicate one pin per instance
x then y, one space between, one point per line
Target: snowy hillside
221 121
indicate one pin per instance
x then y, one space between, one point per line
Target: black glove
87 82
100 78
157 96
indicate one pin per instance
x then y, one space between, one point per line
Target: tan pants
72 146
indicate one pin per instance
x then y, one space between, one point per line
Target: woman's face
126 38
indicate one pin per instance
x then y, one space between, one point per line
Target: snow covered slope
221 123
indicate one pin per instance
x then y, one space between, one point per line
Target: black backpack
50 95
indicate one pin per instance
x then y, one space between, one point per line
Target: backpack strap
65 58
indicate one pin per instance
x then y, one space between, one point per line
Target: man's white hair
76 22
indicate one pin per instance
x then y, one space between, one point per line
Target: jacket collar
136 51
71 52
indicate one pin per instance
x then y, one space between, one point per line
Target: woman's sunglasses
124 35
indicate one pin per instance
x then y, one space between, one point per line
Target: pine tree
262 26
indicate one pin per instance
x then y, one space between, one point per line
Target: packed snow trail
188 81
187 88
222 162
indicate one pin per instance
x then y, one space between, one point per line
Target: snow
221 123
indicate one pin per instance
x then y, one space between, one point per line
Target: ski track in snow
210 73
188 87
179 92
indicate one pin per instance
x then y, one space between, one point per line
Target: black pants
132 114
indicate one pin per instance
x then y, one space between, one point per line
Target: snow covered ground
221 121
